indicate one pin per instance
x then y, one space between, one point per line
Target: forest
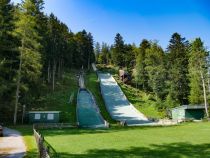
176 76
37 49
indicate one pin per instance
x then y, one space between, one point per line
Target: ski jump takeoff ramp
88 114
117 104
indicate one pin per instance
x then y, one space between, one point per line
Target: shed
124 76
43 116
184 112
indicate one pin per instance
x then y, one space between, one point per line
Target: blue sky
135 19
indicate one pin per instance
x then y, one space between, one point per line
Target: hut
188 112
43 116
124 76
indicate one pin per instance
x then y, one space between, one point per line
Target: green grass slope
59 99
144 102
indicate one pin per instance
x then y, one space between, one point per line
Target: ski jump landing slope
117 104
88 114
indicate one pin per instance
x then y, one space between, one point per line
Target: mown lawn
187 140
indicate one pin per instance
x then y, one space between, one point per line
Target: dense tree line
179 75
35 50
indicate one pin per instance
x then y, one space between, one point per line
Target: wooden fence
44 148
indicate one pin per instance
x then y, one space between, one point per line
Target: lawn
187 140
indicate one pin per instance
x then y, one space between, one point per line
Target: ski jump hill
88 113
118 105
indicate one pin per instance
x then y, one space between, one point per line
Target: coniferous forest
36 49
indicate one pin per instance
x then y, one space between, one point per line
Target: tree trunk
59 68
18 89
62 63
204 94
54 70
48 72
89 61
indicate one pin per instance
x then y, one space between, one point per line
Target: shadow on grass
174 150
31 154
79 131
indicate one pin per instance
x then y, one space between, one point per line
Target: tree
129 56
141 76
90 50
118 51
30 57
8 55
84 55
177 66
97 50
104 54
154 66
198 76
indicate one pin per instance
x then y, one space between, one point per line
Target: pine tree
141 76
30 57
104 55
90 50
198 70
178 69
118 51
129 56
97 50
154 66
8 56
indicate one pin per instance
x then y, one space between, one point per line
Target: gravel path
12 144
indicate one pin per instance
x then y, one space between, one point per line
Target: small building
43 116
124 76
186 112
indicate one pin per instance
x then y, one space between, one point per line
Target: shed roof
31 112
184 107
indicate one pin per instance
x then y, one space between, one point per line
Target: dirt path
12 144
